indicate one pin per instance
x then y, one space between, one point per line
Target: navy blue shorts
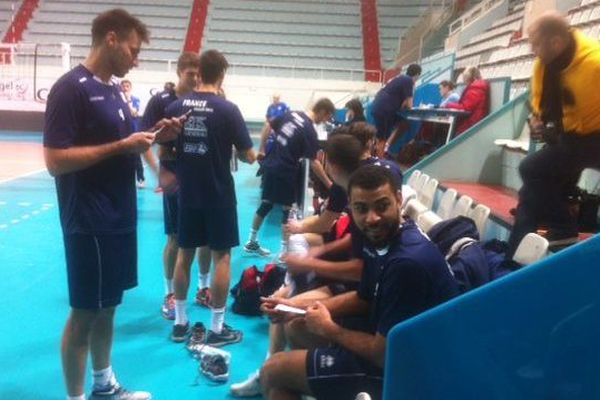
100 268
216 228
170 213
386 122
336 373
278 190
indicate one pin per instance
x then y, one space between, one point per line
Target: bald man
566 115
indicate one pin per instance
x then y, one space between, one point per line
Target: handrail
428 23
292 68
471 15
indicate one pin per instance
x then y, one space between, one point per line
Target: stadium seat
480 215
414 177
447 204
427 220
427 194
532 248
462 206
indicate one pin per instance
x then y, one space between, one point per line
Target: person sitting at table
448 93
475 99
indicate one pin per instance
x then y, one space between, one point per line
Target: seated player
404 275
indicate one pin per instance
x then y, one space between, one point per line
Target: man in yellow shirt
566 113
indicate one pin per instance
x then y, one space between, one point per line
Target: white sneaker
252 246
249 388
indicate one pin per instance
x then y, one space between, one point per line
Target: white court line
22 175
24 204
2 203
3 226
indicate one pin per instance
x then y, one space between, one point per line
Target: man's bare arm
76 158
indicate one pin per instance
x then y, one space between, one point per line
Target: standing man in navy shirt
188 71
207 201
90 149
396 95
275 110
295 138
404 274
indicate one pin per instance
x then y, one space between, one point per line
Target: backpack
458 241
253 285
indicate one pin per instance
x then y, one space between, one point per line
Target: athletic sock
180 312
168 286
104 377
203 280
218 318
253 235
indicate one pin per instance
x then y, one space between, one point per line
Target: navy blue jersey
404 279
393 94
204 149
155 111
84 111
295 138
156 108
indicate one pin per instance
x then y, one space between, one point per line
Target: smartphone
288 309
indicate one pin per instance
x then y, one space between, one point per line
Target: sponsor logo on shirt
195 127
96 98
368 252
195 148
121 114
327 361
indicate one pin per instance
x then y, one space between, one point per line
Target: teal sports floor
35 305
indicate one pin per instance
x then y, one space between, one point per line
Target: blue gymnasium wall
530 335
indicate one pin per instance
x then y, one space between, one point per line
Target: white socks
104 377
253 235
218 318
168 286
180 312
80 397
203 280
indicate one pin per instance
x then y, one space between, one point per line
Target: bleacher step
498 198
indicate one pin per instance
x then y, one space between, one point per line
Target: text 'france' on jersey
204 149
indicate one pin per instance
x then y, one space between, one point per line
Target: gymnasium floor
33 280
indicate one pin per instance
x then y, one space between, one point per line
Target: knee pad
264 209
285 214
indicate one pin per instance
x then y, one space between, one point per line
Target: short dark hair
413 70
125 81
364 132
450 85
371 177
324 104
356 106
213 65
188 59
344 151
121 23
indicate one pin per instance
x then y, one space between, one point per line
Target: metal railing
472 15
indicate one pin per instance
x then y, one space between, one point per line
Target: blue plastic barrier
534 334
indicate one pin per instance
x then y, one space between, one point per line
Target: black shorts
216 228
278 190
100 268
336 373
170 213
